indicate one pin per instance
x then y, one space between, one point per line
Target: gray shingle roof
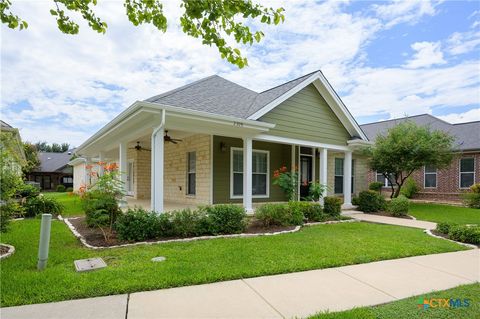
52 162
217 95
5 125
467 135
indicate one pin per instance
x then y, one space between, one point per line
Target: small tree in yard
406 148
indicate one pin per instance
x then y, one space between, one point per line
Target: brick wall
447 181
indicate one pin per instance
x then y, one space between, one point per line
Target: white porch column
101 158
347 180
122 165
157 159
247 174
322 169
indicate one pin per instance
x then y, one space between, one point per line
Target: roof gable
307 116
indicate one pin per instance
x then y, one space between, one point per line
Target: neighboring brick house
445 184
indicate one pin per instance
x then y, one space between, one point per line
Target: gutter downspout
152 174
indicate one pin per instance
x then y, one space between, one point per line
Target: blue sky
385 59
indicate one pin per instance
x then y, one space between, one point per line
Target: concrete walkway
389 220
282 296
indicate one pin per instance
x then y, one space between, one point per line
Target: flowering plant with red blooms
287 181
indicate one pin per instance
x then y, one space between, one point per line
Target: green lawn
70 202
130 269
407 308
445 213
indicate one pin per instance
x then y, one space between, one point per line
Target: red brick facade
448 181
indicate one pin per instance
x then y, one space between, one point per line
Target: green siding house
214 141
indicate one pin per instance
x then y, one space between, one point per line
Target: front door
305 175
129 185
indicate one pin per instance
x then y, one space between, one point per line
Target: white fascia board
156 108
294 141
339 108
76 161
224 119
270 106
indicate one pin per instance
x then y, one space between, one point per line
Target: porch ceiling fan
167 138
138 147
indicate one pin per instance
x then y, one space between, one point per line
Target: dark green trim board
280 154
307 116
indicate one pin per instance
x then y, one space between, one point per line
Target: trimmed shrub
398 206
28 191
69 189
225 219
473 199
444 228
61 188
42 205
332 206
279 215
465 234
410 188
137 225
375 186
355 200
313 212
189 223
475 188
370 201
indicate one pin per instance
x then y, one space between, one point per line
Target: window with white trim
381 178
430 177
338 182
260 173
67 180
191 173
467 172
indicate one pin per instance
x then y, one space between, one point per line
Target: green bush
472 199
69 189
409 188
444 228
313 212
225 219
475 188
42 205
101 209
189 223
8 210
60 188
370 201
279 215
398 206
465 234
355 200
137 225
332 206
28 191
375 186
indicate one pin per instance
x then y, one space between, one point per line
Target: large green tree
214 21
31 154
54 147
406 148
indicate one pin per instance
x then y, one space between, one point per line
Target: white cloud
75 84
426 55
469 116
401 11
461 43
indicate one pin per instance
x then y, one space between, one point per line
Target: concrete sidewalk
282 296
372 218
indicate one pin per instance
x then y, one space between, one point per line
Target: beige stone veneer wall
175 181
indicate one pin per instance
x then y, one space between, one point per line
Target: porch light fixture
223 147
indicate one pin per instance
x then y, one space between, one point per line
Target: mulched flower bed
94 236
437 233
3 250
